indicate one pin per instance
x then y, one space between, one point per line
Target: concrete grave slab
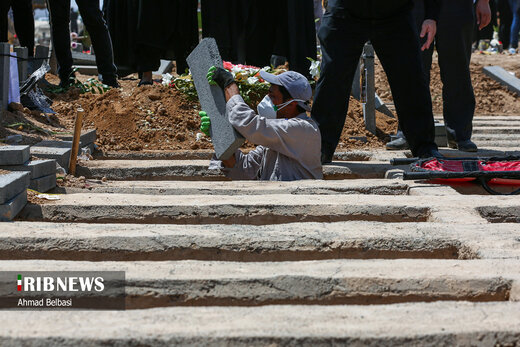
37 168
5 67
23 53
166 67
65 144
417 324
43 184
12 184
87 136
61 155
503 77
14 155
10 209
226 140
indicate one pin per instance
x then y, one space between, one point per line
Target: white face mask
267 109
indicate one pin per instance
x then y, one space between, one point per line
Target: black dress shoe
431 153
397 144
145 83
112 82
326 158
467 146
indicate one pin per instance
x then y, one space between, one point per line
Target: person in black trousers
453 41
23 22
96 27
346 27
505 16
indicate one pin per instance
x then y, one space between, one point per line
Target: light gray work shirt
289 149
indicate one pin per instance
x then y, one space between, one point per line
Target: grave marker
23 54
503 77
226 140
5 50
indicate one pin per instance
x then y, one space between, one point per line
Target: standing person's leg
341 44
5 5
397 46
506 20
454 38
24 23
148 60
59 11
98 30
515 25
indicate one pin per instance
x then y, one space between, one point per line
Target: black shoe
111 82
397 144
326 158
145 83
431 153
68 80
467 146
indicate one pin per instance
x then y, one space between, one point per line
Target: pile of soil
491 97
355 135
136 118
161 118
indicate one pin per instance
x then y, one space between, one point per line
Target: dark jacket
380 10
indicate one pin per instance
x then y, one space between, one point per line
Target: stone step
197 170
514 139
365 282
12 184
61 155
86 137
495 130
14 155
206 154
223 209
496 123
283 242
36 168
432 324
265 209
10 209
306 187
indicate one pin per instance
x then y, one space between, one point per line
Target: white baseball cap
296 84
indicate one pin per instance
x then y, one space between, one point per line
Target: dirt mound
355 135
136 118
161 118
491 97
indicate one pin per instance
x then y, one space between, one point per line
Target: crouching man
289 141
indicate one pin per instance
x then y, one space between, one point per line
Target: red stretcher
496 170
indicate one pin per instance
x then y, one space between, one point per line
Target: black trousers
453 43
96 27
23 22
396 43
506 20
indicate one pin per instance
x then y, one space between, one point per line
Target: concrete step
514 139
269 209
223 209
496 123
306 187
197 170
206 154
495 130
432 324
283 242
374 282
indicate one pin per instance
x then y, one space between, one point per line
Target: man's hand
429 28
483 14
205 123
219 76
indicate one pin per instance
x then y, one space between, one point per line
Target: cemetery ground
361 257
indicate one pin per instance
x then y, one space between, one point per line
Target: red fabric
456 165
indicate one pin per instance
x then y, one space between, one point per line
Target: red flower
228 65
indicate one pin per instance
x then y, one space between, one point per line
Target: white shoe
512 51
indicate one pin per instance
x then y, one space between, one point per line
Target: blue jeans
515 27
